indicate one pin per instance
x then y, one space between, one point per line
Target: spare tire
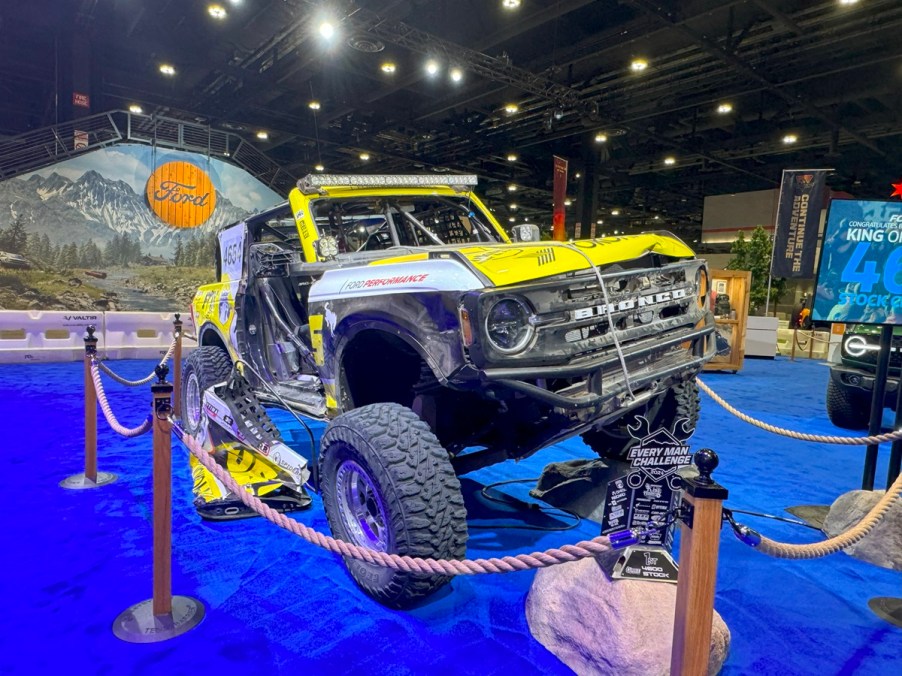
204 367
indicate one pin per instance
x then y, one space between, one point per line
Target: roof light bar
314 183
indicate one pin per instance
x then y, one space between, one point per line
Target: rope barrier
108 412
505 564
135 383
850 441
811 336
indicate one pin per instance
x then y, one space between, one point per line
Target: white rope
135 383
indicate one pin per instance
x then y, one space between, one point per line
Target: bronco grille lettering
631 303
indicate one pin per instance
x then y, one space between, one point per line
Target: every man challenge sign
650 490
860 274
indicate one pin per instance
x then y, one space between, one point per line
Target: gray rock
883 545
596 626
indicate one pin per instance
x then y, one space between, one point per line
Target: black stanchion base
887 608
80 481
138 624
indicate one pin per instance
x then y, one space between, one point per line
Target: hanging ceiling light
263 135
615 212
389 67
314 105
638 65
512 157
456 74
365 156
319 167
510 4
167 69
326 29
601 138
725 108
511 108
432 67
789 139
136 109
512 188
218 12
670 160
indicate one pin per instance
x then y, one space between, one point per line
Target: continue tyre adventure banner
860 274
798 217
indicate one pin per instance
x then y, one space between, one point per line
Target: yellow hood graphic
505 264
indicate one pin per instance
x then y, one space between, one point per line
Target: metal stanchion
702 515
164 616
177 365
90 478
811 344
795 338
870 458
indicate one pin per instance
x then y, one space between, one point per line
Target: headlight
507 325
857 346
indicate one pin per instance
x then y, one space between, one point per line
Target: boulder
883 545
598 626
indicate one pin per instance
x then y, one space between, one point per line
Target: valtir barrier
35 336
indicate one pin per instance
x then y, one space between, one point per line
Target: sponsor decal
631 304
378 282
181 194
81 318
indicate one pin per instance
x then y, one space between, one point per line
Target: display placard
859 277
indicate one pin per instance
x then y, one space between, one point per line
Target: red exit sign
81 100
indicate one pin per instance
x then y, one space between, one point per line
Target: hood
506 264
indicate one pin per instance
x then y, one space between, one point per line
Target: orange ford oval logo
181 194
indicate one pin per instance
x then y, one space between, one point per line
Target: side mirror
526 232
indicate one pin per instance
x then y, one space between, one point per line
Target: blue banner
859 278
798 218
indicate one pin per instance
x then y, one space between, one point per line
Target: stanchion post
90 408
177 365
702 515
880 377
90 478
811 344
164 616
795 338
162 493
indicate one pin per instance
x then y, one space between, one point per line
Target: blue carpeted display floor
72 561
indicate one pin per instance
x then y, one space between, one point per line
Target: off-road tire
209 365
418 488
680 401
847 408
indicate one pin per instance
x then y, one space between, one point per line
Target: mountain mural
96 208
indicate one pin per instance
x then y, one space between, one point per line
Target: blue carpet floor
72 561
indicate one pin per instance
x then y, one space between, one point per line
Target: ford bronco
399 311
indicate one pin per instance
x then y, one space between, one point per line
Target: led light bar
314 183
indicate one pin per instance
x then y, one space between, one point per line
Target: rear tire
848 408
388 484
205 367
680 401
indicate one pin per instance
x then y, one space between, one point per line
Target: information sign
859 277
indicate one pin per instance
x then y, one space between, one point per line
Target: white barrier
34 336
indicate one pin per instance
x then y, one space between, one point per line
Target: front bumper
859 379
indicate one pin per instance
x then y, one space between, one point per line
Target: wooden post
699 543
90 408
792 355
177 365
162 493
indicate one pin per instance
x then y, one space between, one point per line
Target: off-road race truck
852 374
399 311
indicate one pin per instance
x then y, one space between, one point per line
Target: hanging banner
560 194
798 217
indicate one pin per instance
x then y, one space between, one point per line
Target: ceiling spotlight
510 4
615 212
513 206
567 203
327 30
558 113
314 105
789 139
217 12
136 109
319 167
364 156
389 67
599 222
262 135
512 157
601 138
725 108
847 3
167 69
456 74
235 3
432 67
511 108
577 175
512 219
670 161
512 188
638 65
657 218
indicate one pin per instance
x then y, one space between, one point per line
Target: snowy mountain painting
100 195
